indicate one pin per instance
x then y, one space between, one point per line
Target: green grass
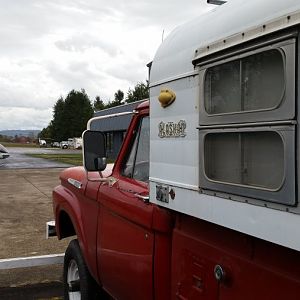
69 158
66 158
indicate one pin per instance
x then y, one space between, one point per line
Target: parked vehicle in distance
3 152
42 143
203 199
55 145
64 144
75 143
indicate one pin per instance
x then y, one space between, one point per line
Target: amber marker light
166 97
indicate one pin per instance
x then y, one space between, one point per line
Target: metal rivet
219 273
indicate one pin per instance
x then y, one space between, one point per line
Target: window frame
109 141
134 144
241 156
286 107
287 191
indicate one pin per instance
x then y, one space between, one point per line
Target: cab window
136 164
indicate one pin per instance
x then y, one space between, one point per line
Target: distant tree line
18 139
5 138
139 92
70 115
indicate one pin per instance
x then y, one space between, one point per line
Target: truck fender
68 213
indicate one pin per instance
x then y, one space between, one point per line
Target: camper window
251 163
253 159
247 126
255 86
252 83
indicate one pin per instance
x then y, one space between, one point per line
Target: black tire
85 284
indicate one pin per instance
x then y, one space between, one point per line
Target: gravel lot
25 206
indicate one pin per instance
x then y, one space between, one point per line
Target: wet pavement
19 160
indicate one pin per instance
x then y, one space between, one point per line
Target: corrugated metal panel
112 124
120 123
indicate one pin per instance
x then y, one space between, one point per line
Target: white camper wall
174 160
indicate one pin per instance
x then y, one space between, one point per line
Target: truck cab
113 219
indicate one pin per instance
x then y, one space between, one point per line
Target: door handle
144 198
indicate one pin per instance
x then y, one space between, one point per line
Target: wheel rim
73 275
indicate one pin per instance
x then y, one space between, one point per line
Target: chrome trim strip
75 183
252 124
173 183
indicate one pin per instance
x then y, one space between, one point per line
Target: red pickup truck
203 199
122 239
134 249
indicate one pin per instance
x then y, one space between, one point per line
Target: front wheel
78 282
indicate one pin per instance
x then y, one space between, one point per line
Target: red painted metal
143 106
125 255
83 212
254 269
126 239
162 266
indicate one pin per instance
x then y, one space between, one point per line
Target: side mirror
94 150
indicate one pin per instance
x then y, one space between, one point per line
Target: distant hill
17 132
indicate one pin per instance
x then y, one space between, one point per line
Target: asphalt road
42 291
19 160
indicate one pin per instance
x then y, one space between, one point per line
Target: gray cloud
24 118
83 42
50 47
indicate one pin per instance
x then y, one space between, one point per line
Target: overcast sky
49 47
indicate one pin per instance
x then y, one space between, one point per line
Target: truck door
125 238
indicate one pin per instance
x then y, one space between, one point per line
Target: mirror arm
110 180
